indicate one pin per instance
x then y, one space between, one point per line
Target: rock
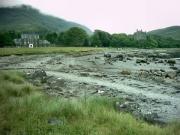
167 103
150 116
120 57
107 55
124 60
131 99
59 62
128 58
176 92
47 87
171 74
157 73
126 72
162 70
143 99
160 61
141 61
171 61
37 82
174 68
152 55
100 91
96 57
178 71
163 55
84 74
124 105
39 74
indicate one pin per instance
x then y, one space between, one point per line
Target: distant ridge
172 32
28 19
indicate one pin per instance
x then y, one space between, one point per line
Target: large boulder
171 61
38 76
120 57
107 55
171 74
126 72
141 61
150 117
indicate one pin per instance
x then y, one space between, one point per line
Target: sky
113 16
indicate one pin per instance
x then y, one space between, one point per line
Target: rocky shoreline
146 81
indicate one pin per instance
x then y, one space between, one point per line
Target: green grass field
47 50
25 110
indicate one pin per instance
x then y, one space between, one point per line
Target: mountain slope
173 32
25 18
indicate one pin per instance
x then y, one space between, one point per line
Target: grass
47 50
25 110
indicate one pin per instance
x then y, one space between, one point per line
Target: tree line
78 37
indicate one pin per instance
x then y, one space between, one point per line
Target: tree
101 38
75 37
122 40
151 43
95 40
86 42
52 37
6 38
60 39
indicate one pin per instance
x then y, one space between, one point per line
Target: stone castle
140 35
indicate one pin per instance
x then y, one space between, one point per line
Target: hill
27 19
173 32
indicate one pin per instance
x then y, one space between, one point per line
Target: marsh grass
24 110
48 50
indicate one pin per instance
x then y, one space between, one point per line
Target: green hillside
173 32
25 18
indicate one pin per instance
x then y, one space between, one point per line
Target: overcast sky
114 16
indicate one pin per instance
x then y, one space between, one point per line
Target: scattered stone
59 62
178 71
120 57
167 103
152 55
141 61
163 55
171 61
160 61
174 68
39 74
124 105
84 74
38 77
126 72
176 92
170 74
157 73
162 70
143 99
97 57
150 116
107 55
100 91
128 58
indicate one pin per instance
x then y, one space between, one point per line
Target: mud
148 80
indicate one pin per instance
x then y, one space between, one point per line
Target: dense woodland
78 37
